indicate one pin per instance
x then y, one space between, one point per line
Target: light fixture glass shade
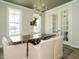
40 6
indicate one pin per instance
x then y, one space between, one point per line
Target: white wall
2 21
75 24
26 18
43 23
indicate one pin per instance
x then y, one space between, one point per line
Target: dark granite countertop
13 40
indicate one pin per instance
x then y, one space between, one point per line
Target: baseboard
1 46
67 43
75 46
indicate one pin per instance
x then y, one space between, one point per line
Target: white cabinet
58 20
66 23
47 49
18 51
48 23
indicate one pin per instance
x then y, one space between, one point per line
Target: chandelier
39 6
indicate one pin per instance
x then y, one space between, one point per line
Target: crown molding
63 5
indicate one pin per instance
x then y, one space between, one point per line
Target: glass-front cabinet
59 21
54 23
65 23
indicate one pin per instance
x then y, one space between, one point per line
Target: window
14 21
37 28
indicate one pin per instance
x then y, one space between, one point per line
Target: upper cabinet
58 20
66 22
54 22
48 23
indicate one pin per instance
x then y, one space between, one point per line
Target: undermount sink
44 36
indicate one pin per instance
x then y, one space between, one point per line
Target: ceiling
30 3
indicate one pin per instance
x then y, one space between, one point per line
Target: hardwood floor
74 54
69 53
1 53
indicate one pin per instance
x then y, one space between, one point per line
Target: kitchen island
14 40
20 47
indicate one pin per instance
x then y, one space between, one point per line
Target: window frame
20 22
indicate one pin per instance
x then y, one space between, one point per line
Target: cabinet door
54 23
48 23
18 51
47 49
51 22
66 22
